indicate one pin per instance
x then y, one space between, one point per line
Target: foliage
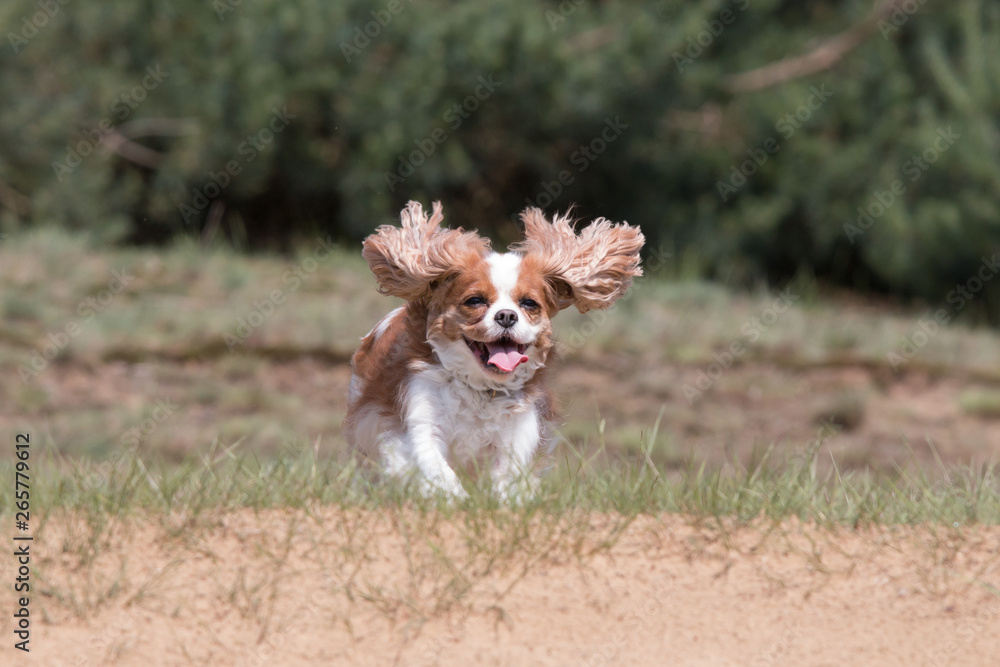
350 115
227 479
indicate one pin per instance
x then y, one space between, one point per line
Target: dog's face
489 319
489 314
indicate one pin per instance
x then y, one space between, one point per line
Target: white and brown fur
421 397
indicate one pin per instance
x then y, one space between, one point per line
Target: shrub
276 119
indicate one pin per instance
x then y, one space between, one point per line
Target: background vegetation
270 121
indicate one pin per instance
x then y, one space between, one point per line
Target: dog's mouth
501 356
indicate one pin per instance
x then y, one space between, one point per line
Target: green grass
183 299
222 478
449 549
450 555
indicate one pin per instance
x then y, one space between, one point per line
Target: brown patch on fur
408 260
451 318
383 363
532 283
589 270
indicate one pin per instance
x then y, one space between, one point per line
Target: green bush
322 124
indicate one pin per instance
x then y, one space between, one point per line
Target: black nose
506 318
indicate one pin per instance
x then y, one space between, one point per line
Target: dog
456 375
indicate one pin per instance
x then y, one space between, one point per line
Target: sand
327 586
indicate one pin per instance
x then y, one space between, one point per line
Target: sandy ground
351 588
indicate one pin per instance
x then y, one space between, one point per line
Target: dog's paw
451 488
517 490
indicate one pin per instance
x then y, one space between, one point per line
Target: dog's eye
529 304
474 301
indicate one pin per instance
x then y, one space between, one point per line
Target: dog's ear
589 270
409 260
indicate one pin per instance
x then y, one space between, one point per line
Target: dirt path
341 588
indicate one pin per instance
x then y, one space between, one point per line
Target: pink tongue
505 356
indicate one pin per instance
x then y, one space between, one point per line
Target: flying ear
589 270
408 260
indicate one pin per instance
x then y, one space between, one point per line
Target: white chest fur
466 419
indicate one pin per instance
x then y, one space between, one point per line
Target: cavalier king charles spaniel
456 376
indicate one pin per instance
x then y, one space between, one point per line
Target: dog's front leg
512 476
428 447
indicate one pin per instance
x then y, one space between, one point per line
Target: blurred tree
754 139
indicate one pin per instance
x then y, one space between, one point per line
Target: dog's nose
506 318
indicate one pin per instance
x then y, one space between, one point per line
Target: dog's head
488 314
